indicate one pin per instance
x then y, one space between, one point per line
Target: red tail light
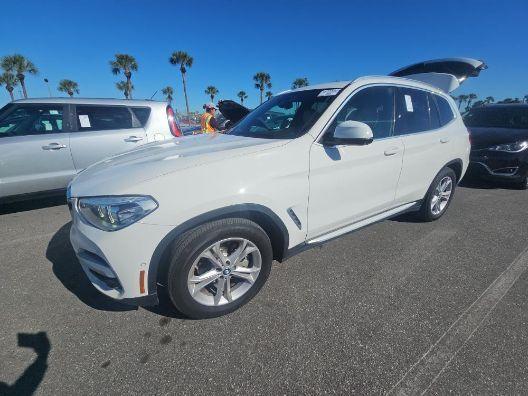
172 123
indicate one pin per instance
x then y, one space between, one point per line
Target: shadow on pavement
483 184
67 269
37 203
32 376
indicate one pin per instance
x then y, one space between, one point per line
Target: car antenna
154 94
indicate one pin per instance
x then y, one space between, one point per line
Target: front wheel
218 267
438 196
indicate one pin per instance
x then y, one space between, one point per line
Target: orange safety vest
205 123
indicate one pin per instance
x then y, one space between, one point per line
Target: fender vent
294 218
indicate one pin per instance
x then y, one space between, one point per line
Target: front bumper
503 166
117 263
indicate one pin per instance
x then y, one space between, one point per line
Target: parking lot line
430 366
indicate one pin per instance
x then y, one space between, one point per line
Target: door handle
391 151
444 140
133 139
54 146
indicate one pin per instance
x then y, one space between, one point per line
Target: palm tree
300 82
69 87
268 95
184 60
20 66
262 80
489 99
461 99
124 87
242 95
168 92
470 98
10 82
126 64
211 91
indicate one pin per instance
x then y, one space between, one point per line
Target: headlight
114 213
510 147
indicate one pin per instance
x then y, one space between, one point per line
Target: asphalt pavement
399 307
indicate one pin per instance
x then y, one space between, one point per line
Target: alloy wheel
441 196
224 272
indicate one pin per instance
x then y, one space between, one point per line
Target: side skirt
322 239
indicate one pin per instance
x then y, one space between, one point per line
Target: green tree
124 87
184 61
470 98
269 95
211 91
300 82
168 92
68 86
126 64
525 99
461 99
478 103
10 82
489 99
262 80
242 96
19 66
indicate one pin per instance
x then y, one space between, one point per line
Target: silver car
45 142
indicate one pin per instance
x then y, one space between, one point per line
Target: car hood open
232 110
118 174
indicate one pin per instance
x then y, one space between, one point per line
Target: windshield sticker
84 120
329 92
54 112
408 103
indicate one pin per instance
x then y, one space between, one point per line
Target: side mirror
350 133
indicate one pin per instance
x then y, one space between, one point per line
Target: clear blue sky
231 40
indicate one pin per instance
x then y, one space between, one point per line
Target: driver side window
374 106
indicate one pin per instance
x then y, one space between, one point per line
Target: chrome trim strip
488 169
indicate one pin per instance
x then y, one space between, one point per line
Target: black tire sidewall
186 251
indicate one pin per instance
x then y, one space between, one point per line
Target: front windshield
498 117
286 116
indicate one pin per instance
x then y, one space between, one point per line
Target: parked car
499 143
44 143
204 216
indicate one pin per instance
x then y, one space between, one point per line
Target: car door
428 146
34 148
103 131
350 183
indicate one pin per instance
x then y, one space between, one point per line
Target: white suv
203 217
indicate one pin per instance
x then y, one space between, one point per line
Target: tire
429 211
522 185
202 284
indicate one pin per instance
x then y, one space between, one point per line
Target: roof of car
372 80
502 105
109 101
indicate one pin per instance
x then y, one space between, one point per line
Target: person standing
208 121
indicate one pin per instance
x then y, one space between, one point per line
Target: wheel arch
457 166
263 216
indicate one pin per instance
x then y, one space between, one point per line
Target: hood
485 137
117 174
232 110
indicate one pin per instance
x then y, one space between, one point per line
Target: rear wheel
438 196
218 267
523 184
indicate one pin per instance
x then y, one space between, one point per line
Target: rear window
444 110
498 117
142 114
101 118
412 114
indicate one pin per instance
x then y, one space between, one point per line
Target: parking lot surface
399 307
